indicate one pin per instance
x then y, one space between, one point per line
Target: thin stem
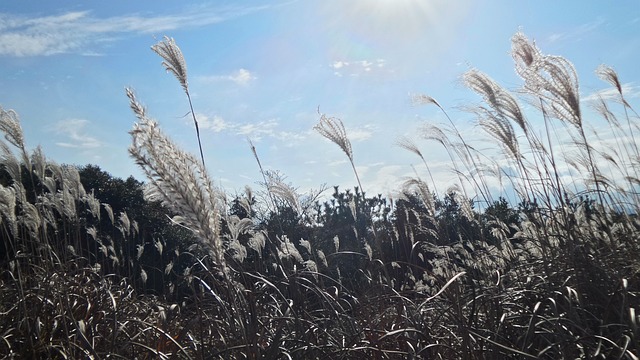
195 122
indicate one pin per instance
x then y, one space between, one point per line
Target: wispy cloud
255 131
578 32
79 31
361 133
337 162
357 68
75 134
241 77
629 90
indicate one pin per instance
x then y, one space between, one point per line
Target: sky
261 70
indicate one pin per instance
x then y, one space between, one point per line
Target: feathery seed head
333 129
422 190
10 163
237 251
609 75
180 182
322 258
284 191
500 100
10 126
288 250
421 99
310 265
8 206
257 242
409 145
173 60
306 244
137 108
109 211
433 132
501 130
125 223
39 162
552 78
523 52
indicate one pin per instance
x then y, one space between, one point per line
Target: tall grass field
545 267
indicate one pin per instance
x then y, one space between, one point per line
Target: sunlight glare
399 19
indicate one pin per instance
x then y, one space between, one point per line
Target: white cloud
241 77
339 64
357 68
215 124
80 31
74 131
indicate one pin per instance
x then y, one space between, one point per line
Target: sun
395 17
401 8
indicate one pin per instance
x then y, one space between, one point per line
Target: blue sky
259 70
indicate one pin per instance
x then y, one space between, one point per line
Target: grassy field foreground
92 266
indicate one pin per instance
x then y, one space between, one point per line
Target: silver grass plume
10 126
8 207
236 250
552 78
109 211
71 180
500 129
501 102
174 63
311 266
286 192
333 129
421 188
257 242
159 246
421 99
238 226
9 162
554 81
409 145
173 60
39 162
135 228
322 258
179 181
125 223
606 73
288 250
435 133
93 232
306 244
245 202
